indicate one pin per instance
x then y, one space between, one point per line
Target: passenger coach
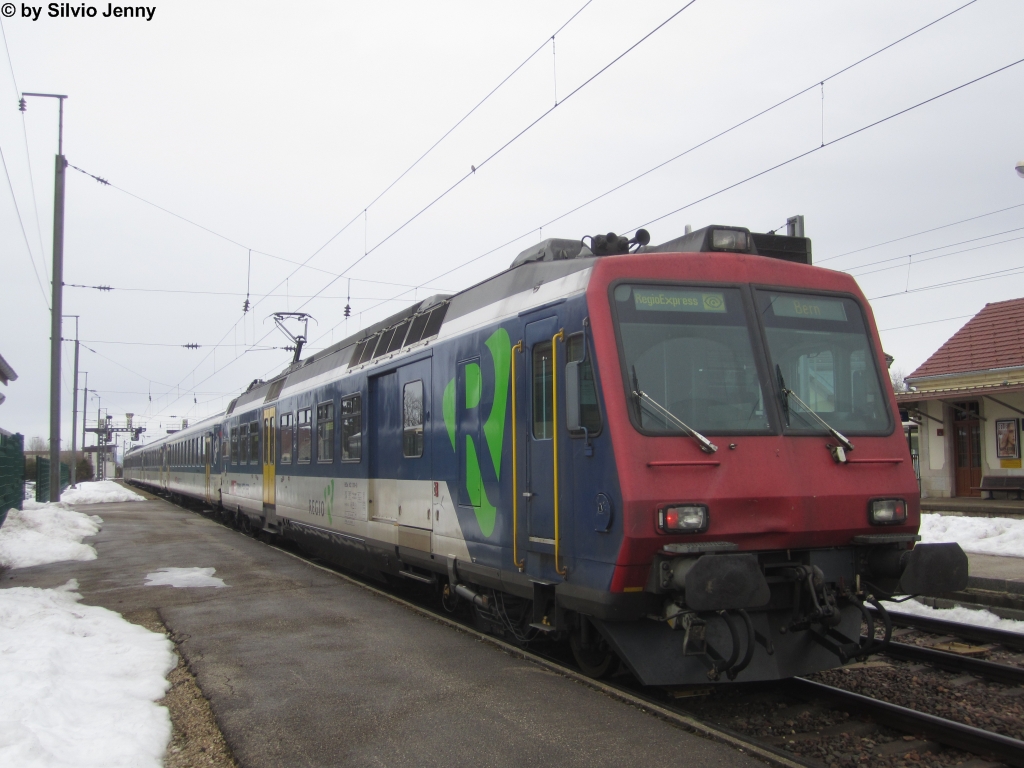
684 457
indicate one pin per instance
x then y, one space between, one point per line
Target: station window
412 420
234 445
325 432
304 443
352 428
285 437
254 442
590 412
542 391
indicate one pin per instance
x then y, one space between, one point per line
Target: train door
385 438
545 534
269 466
207 441
967 448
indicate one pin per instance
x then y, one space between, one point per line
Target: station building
967 401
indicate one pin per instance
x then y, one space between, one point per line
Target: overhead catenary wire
745 121
449 271
753 176
939 256
476 167
110 288
832 142
364 212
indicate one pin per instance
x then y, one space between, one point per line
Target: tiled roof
993 338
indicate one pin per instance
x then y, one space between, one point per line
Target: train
682 458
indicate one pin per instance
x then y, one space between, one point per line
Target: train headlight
683 518
728 240
888 511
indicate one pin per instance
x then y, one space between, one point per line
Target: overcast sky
274 125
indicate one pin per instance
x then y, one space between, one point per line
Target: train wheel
596 660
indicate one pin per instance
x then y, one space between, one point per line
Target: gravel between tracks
196 740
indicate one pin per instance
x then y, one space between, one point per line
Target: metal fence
12 473
43 479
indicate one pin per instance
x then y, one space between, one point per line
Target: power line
749 178
926 322
107 288
922 232
1009 272
830 143
939 256
753 117
508 143
24 235
688 151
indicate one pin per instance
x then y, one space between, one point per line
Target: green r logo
500 347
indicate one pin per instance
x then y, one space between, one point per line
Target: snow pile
79 684
978 535
48 533
958 614
184 577
100 492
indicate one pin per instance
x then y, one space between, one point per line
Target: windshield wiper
659 410
788 393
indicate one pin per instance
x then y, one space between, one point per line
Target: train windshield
820 348
690 350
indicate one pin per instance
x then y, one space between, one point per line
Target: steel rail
1001 673
1013 640
947 732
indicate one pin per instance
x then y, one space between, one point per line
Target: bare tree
899 380
38 444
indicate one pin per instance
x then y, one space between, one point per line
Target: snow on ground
978 535
47 533
79 684
959 614
99 492
184 577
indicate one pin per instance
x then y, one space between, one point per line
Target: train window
412 420
542 391
398 340
225 446
243 443
254 442
285 438
325 432
690 350
304 443
234 445
351 428
820 347
590 411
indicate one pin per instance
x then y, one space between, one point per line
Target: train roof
548 260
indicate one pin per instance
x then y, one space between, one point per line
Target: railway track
798 694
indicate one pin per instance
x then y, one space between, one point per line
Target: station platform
305 668
975 507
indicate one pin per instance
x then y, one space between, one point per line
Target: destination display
807 307
678 301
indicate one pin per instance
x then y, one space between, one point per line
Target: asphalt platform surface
303 668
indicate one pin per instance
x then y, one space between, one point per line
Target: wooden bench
1000 484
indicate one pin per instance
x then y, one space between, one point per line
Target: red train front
766 489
